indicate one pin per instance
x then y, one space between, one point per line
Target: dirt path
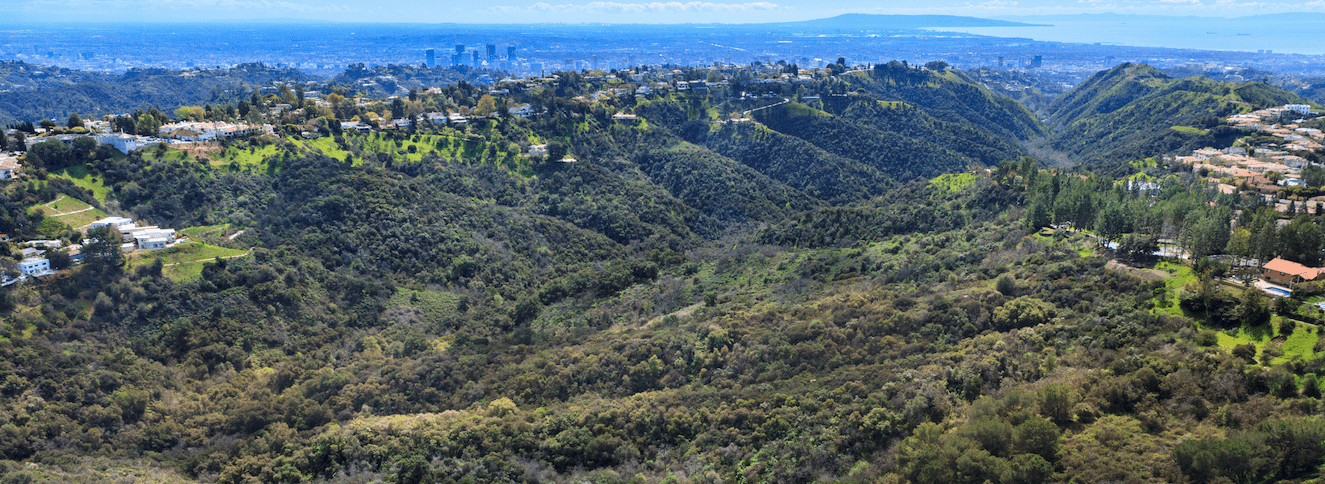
236 234
73 212
1145 274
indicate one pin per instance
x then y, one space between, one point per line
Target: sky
625 11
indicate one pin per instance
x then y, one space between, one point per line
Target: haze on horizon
609 12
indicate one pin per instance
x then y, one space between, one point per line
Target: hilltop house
1285 272
34 265
8 167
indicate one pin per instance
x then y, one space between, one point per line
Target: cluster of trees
666 308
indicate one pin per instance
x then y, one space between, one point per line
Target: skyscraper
460 48
432 57
476 59
492 51
510 52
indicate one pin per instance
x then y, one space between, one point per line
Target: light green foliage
1023 311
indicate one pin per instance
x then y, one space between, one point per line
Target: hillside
845 294
94 96
1127 113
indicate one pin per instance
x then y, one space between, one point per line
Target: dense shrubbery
657 311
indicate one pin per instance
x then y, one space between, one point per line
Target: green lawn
69 211
1300 343
84 179
1190 130
184 261
202 230
244 157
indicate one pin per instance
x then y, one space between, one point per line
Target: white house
8 167
1302 109
538 150
522 111
34 265
123 142
113 222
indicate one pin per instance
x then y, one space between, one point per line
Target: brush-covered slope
1128 112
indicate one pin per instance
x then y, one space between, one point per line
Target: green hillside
858 289
1125 113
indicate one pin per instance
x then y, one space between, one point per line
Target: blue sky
624 11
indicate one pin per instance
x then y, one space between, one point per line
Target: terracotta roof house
1286 272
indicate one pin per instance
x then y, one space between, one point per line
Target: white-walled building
8 167
112 221
34 265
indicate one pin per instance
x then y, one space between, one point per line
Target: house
149 237
522 111
8 167
355 125
112 221
1286 272
624 117
538 150
123 142
1302 109
34 265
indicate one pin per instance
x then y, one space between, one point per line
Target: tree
1112 221
1254 310
556 151
59 259
1314 175
397 108
1057 401
102 254
486 105
1038 215
74 121
1302 240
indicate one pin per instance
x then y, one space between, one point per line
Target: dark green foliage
895 155
797 163
1242 457
97 95
720 187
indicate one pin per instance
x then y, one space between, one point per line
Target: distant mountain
1127 113
862 21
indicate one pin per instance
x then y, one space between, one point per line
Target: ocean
1299 33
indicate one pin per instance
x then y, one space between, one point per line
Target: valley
864 275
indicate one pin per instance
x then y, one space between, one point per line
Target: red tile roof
1290 267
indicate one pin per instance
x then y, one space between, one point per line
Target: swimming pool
1279 291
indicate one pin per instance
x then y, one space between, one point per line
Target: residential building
112 221
8 167
34 265
522 111
538 150
1302 109
1285 272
